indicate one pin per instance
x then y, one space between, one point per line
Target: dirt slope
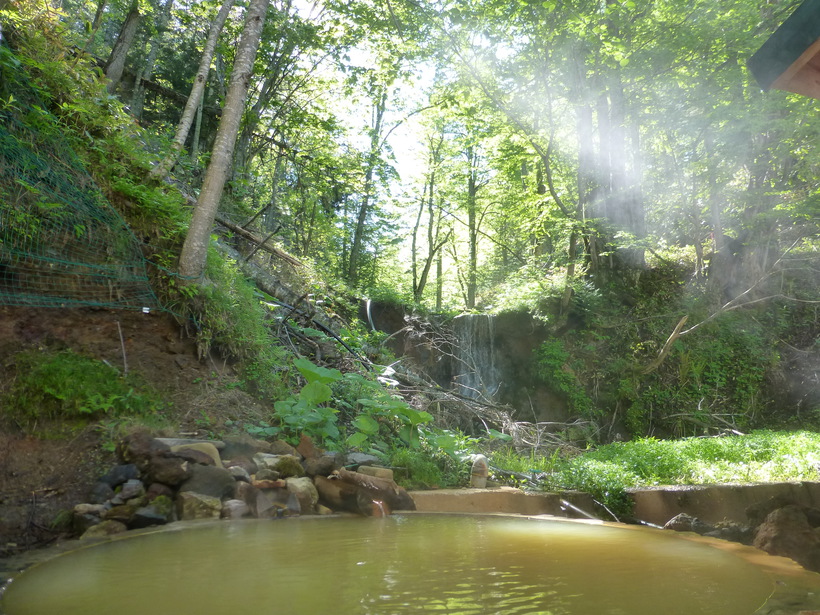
44 474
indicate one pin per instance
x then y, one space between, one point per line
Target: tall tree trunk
115 65
439 281
194 98
195 249
356 247
138 95
585 179
472 228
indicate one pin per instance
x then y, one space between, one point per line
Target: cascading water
474 355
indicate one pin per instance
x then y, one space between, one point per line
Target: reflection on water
391 566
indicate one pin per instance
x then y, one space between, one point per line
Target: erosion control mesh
61 242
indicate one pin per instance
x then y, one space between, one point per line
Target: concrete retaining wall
709 503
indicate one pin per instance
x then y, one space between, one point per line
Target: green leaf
316 373
356 439
366 424
315 393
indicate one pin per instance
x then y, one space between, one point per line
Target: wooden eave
790 59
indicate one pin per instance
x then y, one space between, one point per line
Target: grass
608 471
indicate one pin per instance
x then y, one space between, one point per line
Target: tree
115 65
197 91
138 93
195 249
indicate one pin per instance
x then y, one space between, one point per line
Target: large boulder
170 471
158 512
192 505
105 528
305 492
139 447
199 452
786 531
117 475
210 481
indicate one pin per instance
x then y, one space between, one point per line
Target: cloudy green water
457 565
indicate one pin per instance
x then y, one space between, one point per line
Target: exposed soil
44 469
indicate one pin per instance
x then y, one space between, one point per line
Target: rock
246 463
361 459
786 531
307 448
211 481
338 495
131 489
688 523
80 522
305 492
266 461
385 473
265 474
159 512
170 471
104 528
239 473
156 490
378 490
119 474
322 466
280 447
122 513
100 493
199 452
289 466
269 484
262 505
172 442
734 532
90 509
247 493
191 505
139 447
758 511
235 509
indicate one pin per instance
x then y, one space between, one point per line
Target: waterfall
475 371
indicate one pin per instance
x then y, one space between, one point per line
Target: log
378 490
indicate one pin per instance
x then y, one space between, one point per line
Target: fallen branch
666 347
258 241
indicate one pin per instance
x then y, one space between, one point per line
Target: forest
609 168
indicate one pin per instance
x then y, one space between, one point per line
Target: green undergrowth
608 471
64 385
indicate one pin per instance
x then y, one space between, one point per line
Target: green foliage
232 319
427 468
348 410
608 471
555 368
712 379
66 385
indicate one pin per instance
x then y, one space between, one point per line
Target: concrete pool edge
796 590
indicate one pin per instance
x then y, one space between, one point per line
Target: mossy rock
289 467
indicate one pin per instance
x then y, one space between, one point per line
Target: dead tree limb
666 348
260 242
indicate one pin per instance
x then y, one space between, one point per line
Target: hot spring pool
454 564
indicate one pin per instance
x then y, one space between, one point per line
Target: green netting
62 244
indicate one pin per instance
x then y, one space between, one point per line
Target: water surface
459 565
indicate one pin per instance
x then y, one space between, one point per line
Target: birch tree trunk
194 98
195 248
